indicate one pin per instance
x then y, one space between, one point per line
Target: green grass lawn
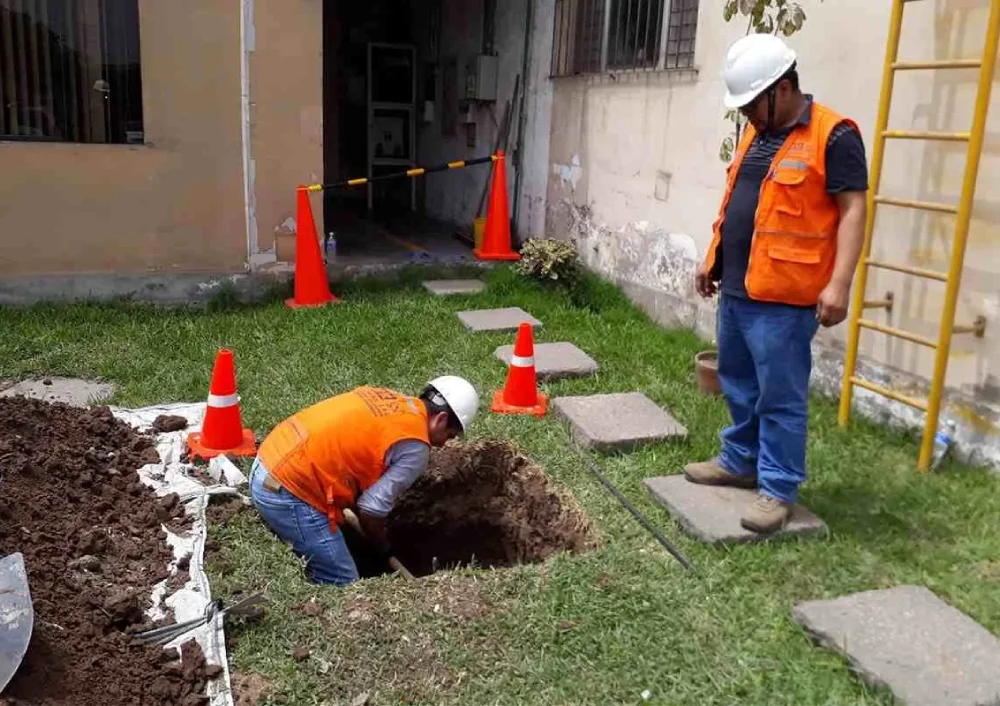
601 628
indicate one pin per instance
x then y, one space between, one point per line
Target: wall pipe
525 85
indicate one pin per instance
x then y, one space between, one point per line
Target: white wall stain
569 173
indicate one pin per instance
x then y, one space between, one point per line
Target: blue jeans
308 530
764 365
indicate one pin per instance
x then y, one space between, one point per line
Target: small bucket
706 369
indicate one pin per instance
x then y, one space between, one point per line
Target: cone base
196 449
501 407
292 304
508 256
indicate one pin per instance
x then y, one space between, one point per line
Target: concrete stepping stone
73 391
450 287
554 360
507 319
906 638
712 513
617 421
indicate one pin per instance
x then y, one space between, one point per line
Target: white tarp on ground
171 476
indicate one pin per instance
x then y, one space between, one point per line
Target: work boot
766 515
712 473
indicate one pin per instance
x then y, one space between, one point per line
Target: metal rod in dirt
414 172
674 552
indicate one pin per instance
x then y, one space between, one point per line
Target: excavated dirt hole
483 504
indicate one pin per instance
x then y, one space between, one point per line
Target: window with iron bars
594 36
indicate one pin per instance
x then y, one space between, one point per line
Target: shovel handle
395 563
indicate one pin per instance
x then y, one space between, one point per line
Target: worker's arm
847 183
405 461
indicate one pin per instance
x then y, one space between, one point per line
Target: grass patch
599 628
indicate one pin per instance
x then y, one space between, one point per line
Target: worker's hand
374 529
831 308
703 282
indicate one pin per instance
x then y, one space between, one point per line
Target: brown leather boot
766 515
712 473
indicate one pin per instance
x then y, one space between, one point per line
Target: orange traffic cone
520 395
496 237
222 431
311 285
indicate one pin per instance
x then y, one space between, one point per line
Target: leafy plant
550 260
763 17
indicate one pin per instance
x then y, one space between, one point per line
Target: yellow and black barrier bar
415 172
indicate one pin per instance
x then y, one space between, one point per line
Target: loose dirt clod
169 422
70 501
221 511
486 504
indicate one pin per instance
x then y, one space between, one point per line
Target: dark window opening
70 72
593 36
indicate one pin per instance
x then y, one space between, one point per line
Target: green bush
550 260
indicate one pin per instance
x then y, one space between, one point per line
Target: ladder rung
906 269
886 392
917 135
938 64
922 205
897 332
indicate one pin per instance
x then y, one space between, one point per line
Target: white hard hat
460 395
753 63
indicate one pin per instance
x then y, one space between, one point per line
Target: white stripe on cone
521 361
223 400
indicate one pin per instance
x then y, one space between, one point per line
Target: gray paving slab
910 641
449 287
554 360
72 391
506 319
620 421
712 513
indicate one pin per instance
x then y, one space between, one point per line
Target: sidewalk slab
712 513
617 422
507 319
449 287
72 391
909 640
554 360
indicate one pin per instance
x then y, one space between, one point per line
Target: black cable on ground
674 552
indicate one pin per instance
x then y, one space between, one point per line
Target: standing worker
783 255
359 450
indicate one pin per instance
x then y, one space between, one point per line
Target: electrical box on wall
481 78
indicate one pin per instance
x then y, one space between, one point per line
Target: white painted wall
634 173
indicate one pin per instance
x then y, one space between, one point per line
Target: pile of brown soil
485 504
71 502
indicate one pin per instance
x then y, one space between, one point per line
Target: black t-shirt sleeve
846 164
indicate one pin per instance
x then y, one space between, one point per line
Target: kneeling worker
358 450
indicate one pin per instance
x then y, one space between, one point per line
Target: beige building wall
635 177
286 111
177 203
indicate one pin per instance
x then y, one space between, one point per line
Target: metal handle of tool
167 633
395 563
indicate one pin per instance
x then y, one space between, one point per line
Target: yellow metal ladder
962 211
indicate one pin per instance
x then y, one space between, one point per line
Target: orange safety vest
795 229
331 452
